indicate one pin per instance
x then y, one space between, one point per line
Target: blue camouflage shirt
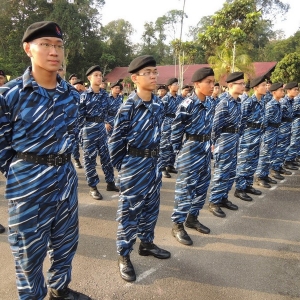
171 103
137 124
227 114
287 107
273 112
113 107
193 117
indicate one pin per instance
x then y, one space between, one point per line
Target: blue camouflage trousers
139 181
294 149
192 180
248 156
76 154
166 152
225 155
94 142
35 228
283 142
268 144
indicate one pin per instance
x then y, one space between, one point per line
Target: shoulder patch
186 102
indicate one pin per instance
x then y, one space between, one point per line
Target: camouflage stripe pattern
93 135
137 124
273 114
228 113
114 105
253 111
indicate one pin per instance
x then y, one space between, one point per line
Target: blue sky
137 12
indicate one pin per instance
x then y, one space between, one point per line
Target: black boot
262 182
270 180
216 210
228 204
126 268
277 175
95 193
171 169
111 187
2 229
192 222
296 163
165 173
181 235
289 165
78 164
147 249
242 195
251 190
284 171
297 159
67 294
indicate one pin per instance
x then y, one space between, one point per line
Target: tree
288 69
221 62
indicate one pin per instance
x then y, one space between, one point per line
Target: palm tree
226 61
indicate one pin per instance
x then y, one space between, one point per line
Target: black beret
118 83
291 85
234 76
171 81
2 73
256 81
42 29
269 81
247 86
72 75
78 81
162 87
186 86
202 73
217 84
141 62
92 69
276 86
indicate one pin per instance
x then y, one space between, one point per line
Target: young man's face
268 86
216 90
2 80
46 53
146 79
237 87
173 88
161 93
115 90
95 78
278 94
292 93
73 79
184 92
206 86
261 89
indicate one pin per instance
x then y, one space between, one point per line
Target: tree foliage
288 69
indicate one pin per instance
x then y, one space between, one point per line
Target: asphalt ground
253 253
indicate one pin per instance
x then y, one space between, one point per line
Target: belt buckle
153 152
58 160
236 130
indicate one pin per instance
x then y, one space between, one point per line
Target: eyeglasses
240 83
47 46
148 73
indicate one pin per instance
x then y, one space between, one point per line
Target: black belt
111 114
230 130
297 116
289 120
94 119
254 125
170 115
276 125
143 152
49 160
198 137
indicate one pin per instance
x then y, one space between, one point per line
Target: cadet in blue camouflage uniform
272 121
115 100
193 119
134 150
251 129
93 121
294 150
185 90
294 146
268 96
37 119
162 91
171 102
225 138
284 133
245 95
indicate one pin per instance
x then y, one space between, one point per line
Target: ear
133 78
26 47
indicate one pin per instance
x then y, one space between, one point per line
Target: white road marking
145 274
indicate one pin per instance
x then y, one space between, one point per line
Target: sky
137 12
